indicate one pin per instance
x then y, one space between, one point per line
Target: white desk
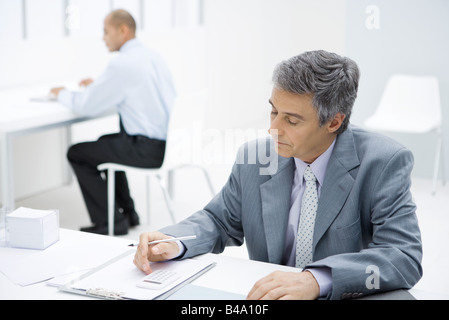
233 275
18 116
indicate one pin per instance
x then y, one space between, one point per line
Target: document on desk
118 278
70 254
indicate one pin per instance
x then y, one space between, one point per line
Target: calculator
158 279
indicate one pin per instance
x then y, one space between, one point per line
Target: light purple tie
309 205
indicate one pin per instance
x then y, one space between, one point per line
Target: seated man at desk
337 204
139 85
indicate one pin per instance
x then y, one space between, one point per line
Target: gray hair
331 79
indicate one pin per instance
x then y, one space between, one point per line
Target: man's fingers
260 288
165 250
157 252
142 264
286 285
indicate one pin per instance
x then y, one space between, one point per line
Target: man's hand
85 82
157 252
55 91
281 285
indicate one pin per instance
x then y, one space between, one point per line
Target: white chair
111 168
183 133
411 104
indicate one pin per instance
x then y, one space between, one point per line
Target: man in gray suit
353 230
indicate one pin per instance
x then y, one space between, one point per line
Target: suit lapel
275 194
337 183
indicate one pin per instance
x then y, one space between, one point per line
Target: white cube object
33 229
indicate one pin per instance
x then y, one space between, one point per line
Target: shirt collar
319 166
128 44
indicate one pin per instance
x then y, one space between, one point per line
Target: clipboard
117 278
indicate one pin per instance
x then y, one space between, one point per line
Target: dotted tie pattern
309 205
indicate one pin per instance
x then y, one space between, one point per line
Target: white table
19 116
233 275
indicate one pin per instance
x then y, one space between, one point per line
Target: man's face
113 38
295 126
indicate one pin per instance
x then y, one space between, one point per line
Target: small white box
33 229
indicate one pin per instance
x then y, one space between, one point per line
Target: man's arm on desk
106 92
281 285
277 285
83 83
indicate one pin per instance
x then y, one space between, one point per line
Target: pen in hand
166 240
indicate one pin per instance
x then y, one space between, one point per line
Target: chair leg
171 183
148 198
209 181
111 201
167 197
438 156
206 175
443 171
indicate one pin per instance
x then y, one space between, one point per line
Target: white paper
29 213
33 229
65 278
70 254
122 276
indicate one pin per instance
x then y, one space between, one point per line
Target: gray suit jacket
366 228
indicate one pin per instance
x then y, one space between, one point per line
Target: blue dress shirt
138 83
319 166
322 275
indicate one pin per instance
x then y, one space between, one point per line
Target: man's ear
336 122
124 30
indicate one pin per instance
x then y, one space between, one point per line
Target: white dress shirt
138 83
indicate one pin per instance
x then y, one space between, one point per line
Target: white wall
232 55
410 38
245 39
55 57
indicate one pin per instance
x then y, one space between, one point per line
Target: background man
139 85
338 206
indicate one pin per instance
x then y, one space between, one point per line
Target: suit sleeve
392 259
216 226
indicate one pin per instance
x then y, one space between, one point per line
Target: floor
192 193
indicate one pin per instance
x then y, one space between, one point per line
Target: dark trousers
119 148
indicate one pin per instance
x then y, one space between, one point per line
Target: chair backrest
410 100
185 130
